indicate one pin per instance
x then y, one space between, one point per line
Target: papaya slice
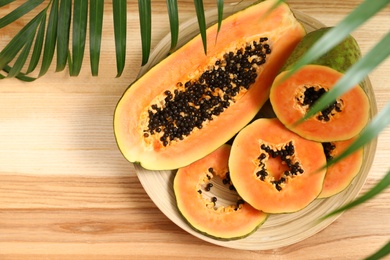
274 169
190 103
191 185
340 175
293 97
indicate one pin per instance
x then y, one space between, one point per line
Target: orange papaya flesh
293 97
208 117
340 175
274 169
202 210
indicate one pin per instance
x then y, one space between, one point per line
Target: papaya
195 201
274 169
192 102
293 97
340 175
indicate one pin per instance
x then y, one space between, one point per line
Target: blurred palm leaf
173 14
145 18
201 22
378 188
381 253
120 27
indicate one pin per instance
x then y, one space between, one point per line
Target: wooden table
67 192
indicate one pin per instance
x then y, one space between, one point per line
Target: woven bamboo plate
278 230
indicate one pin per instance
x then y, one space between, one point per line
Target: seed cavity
189 105
311 94
328 150
210 197
285 153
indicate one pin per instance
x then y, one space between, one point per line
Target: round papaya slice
293 97
340 175
274 169
191 103
201 207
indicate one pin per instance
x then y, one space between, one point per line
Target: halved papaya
293 97
191 185
274 169
340 175
191 103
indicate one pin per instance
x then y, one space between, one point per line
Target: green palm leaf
21 60
120 25
21 76
63 33
384 251
220 4
145 18
18 12
201 22
50 40
17 43
173 15
79 34
38 44
5 2
95 33
378 188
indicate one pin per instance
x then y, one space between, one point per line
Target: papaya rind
340 58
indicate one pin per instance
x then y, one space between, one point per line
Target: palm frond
21 76
18 12
79 34
95 33
201 22
63 33
50 40
5 2
38 44
378 188
21 60
173 14
145 16
220 4
120 27
381 253
17 43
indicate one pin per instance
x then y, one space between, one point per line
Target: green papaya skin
340 58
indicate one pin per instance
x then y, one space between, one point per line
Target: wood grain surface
66 192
